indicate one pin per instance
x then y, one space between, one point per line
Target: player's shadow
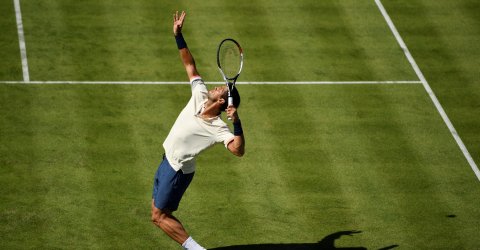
327 243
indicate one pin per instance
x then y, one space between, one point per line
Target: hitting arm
185 55
237 146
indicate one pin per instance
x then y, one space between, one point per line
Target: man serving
198 127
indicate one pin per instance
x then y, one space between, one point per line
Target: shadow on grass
327 243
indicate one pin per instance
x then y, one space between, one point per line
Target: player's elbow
236 147
239 152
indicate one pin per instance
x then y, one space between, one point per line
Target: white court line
429 90
253 83
21 41
332 82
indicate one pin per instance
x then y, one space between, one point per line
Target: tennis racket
230 63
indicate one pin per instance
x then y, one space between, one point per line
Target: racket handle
230 102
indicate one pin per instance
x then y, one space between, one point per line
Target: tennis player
198 127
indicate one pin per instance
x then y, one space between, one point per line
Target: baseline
252 83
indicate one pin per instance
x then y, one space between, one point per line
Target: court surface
361 119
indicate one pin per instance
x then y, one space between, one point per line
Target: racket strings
230 59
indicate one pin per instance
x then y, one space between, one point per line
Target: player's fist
232 113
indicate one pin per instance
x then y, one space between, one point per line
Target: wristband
181 44
237 128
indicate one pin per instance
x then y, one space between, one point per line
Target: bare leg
169 224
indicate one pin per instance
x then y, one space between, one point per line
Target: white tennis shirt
191 134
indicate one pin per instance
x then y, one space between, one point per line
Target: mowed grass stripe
11 64
21 205
69 195
307 172
278 204
107 155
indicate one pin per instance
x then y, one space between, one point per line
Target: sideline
429 90
21 41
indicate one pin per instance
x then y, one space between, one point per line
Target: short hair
236 99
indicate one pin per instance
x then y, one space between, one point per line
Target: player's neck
211 110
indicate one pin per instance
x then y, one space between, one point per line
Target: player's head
236 99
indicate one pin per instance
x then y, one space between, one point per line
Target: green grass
10 65
133 41
77 161
77 165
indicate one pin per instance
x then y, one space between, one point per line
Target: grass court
372 158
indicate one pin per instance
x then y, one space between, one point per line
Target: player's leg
173 228
169 224
168 189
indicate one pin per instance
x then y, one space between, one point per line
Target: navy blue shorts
169 186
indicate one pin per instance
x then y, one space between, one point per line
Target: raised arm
237 146
185 55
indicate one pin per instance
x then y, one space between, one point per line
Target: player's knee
158 216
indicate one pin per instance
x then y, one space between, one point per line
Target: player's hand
178 22
232 113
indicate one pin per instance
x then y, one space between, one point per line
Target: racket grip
230 102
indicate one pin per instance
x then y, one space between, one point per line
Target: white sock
191 244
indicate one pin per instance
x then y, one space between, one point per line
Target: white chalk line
21 41
247 83
429 90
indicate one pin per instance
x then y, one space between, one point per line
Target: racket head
230 59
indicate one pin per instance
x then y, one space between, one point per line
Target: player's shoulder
197 81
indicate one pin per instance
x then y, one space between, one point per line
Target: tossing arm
185 55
